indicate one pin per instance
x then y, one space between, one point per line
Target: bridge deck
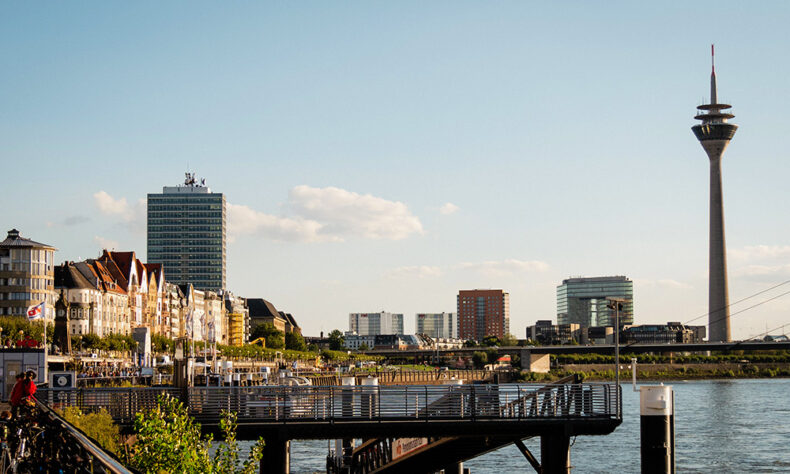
327 412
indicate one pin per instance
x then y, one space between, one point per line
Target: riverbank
660 372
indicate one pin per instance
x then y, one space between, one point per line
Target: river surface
721 426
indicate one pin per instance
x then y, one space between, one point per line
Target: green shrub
169 440
99 426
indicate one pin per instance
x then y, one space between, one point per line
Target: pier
479 416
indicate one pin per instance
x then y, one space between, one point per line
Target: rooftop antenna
713 96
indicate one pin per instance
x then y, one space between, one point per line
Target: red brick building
483 313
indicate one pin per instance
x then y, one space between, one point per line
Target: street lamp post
616 304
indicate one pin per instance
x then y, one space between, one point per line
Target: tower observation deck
714 134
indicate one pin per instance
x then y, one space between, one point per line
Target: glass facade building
437 325
186 234
372 324
583 301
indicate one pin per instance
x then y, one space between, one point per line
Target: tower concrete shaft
714 134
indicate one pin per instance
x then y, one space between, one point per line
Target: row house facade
115 293
97 304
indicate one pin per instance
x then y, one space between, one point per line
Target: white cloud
763 272
759 252
448 208
505 267
318 215
669 283
243 220
111 206
132 214
106 243
417 271
760 263
344 213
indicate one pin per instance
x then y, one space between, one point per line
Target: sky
381 156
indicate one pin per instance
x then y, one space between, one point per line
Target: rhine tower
714 134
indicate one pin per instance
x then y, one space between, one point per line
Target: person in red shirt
16 393
23 389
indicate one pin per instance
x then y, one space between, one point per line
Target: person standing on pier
23 389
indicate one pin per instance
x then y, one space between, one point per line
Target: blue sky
382 156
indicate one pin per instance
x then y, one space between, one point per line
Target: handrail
331 404
106 460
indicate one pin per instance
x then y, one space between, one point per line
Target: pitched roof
260 308
112 267
107 278
68 276
289 317
14 240
154 271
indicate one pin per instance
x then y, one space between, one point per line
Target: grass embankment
715 358
683 372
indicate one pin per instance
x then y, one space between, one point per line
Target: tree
336 341
162 344
76 342
470 343
490 341
492 355
509 340
295 342
274 337
479 359
91 341
364 347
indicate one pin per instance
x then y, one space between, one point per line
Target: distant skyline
384 156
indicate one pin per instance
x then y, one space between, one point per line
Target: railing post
472 404
426 403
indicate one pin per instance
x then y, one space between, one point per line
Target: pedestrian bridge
328 412
462 421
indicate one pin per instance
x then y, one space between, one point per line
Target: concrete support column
555 453
276 457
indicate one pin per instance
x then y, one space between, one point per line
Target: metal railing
121 403
80 450
360 403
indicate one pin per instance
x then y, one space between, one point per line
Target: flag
36 311
188 322
211 336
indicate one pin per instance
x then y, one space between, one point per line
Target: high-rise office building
186 234
27 276
437 325
483 313
714 134
371 324
584 301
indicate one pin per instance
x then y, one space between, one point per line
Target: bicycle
19 445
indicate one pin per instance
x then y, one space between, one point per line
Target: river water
721 426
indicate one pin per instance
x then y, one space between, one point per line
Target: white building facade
371 324
437 325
